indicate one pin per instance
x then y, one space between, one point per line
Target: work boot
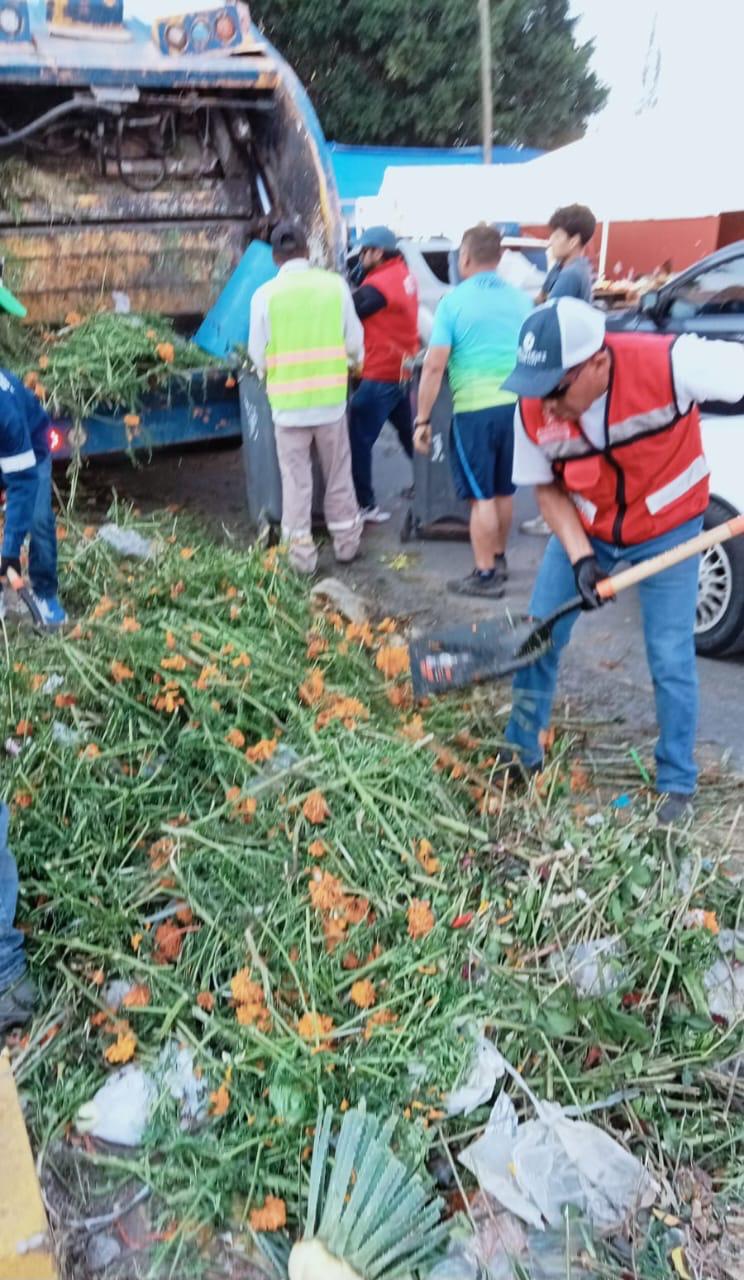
17 1005
481 582
508 762
675 810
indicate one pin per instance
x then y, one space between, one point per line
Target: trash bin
436 511
263 481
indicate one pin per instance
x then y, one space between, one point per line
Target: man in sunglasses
607 429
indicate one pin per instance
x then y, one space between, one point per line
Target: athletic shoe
480 582
373 515
17 1005
52 613
537 526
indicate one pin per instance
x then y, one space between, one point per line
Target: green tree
407 71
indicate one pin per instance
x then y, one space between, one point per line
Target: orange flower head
166 352
262 751
313 687
393 661
219 1101
138 998
123 1049
272 1217
316 808
326 891
244 990
425 857
363 994
420 919
120 672
235 738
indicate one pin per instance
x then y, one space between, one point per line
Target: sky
700 46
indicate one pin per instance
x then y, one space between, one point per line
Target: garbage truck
137 165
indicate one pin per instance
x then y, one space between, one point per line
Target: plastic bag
536 1168
477 1088
593 968
126 541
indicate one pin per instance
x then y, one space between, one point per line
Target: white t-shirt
702 370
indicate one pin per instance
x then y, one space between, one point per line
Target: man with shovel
607 429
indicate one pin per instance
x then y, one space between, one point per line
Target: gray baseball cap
554 338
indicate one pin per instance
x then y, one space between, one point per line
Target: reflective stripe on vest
306 359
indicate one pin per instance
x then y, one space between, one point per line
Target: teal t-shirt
480 320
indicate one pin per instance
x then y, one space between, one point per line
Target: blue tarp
360 170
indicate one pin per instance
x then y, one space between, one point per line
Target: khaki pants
293 446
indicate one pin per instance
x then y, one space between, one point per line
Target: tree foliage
407 71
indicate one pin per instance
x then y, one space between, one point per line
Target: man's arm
435 365
707 370
368 301
258 335
353 332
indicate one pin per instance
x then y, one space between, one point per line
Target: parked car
708 299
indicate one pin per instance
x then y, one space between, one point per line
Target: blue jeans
668 604
372 405
42 551
12 960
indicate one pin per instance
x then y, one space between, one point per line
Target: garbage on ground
52 684
64 735
122 1108
102 1251
544 1164
126 541
593 968
487 1068
724 981
352 606
501 1248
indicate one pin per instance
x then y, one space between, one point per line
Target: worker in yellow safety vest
304 336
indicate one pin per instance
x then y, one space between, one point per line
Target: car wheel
719 625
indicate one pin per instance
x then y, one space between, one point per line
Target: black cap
288 238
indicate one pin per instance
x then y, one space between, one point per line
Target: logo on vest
527 354
555 431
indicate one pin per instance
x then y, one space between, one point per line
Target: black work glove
587 574
9 562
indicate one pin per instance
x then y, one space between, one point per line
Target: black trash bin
263 481
435 510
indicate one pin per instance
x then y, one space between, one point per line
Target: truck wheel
719 628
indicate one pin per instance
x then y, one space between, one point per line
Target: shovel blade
461 656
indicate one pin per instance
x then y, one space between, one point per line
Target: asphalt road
604 670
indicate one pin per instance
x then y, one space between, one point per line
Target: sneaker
537 526
52 613
480 582
17 1005
500 567
373 515
675 809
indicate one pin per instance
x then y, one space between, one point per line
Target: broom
368 1218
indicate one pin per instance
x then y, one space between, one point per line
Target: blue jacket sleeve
18 465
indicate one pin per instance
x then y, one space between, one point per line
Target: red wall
732 228
641 246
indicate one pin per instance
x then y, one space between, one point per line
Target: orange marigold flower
219 1101
135 941
65 700
262 751
313 687
326 891
132 421
314 1026
104 606
381 1018
356 910
168 943
23 799
317 848
393 660
187 553
24 729
253 1015
387 627
315 646
315 808
360 633
243 807
242 660
166 352
245 990
138 998
130 626
176 663
73 319
91 752
123 1049
348 710
205 1001
334 931
120 672
363 994
235 738
400 696
425 856
420 919
272 1217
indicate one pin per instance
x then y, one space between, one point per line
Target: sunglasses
566 383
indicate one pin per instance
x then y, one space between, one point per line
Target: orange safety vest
650 475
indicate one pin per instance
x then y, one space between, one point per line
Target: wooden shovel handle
609 587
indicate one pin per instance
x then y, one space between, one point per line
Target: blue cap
554 338
379 238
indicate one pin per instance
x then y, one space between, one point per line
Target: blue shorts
482 453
